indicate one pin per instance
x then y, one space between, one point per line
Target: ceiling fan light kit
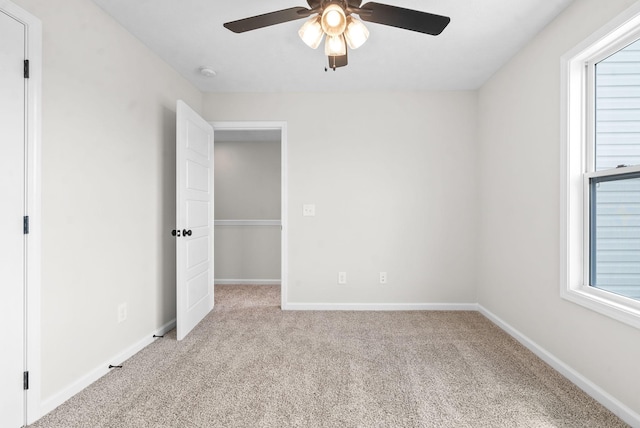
356 33
335 19
335 46
311 32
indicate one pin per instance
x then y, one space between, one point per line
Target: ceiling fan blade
407 19
354 3
314 3
337 61
267 19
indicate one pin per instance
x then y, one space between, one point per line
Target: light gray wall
247 180
393 177
247 187
108 189
247 253
519 252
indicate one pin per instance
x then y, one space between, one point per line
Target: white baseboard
597 393
247 281
52 402
380 307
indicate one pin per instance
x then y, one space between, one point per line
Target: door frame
33 97
282 127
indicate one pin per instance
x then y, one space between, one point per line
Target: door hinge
25 225
25 377
26 68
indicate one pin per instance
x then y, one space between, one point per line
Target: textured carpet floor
249 364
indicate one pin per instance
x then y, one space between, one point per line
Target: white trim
621 32
284 217
574 158
600 39
600 395
612 305
247 223
613 171
284 195
247 281
33 205
380 307
56 400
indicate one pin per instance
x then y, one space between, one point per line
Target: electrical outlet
383 277
122 312
309 210
342 277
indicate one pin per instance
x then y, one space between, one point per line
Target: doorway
20 82
251 199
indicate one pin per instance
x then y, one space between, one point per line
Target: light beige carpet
249 364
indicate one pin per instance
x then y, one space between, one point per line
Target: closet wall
247 207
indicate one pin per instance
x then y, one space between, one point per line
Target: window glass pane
615 234
617 102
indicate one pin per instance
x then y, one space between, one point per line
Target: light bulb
356 33
333 20
335 46
311 32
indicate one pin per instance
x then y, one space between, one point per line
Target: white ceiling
187 34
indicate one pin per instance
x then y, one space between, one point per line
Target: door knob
186 232
175 232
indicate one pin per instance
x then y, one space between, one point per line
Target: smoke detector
207 71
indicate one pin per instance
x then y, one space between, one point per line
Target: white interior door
194 217
12 209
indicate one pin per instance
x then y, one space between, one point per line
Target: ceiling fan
335 19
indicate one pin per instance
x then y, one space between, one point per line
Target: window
601 171
614 192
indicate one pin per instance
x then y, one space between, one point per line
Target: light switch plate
308 210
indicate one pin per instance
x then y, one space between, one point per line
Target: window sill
618 307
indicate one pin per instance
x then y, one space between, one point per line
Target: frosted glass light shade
333 20
311 32
335 46
356 33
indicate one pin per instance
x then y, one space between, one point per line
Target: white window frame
577 166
